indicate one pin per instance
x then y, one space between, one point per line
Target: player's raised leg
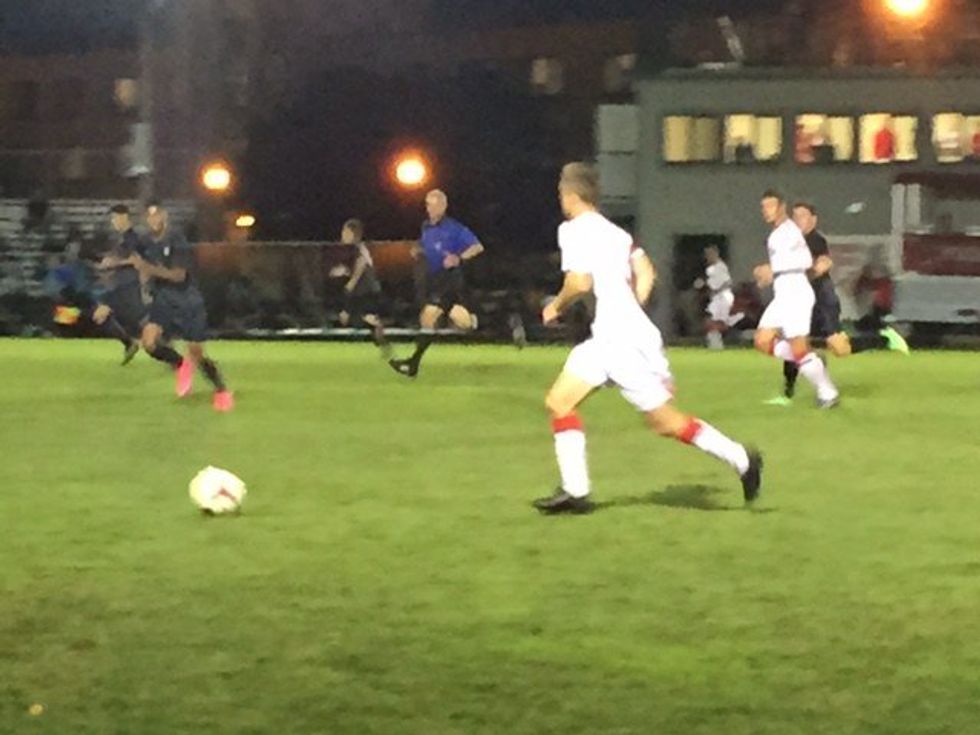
668 421
562 400
155 346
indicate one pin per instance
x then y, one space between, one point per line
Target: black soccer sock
113 328
867 342
790 372
166 354
210 369
423 343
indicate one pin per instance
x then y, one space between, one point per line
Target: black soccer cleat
562 502
407 368
130 352
789 389
752 478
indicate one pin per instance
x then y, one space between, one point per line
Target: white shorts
720 306
640 371
791 308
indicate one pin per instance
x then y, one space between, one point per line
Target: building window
24 101
547 76
956 137
691 139
752 139
887 138
618 73
823 139
126 93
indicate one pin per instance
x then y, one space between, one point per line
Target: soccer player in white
719 283
625 349
785 325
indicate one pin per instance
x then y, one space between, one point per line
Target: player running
120 310
784 328
445 245
178 309
826 310
362 292
625 348
718 280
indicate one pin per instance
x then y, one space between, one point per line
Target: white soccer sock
813 369
708 439
784 351
570 451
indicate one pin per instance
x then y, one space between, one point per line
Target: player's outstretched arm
644 276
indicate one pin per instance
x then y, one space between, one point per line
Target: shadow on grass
690 497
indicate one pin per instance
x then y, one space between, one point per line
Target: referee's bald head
436 204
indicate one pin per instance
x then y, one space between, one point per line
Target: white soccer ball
217 491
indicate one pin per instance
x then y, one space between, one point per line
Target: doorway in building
688 267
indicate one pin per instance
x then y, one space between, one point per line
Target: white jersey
788 251
718 277
592 244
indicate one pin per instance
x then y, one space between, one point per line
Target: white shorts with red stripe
640 371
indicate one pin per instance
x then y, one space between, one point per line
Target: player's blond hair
581 179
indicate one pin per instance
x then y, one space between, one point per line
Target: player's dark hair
356 227
582 179
120 209
807 206
774 194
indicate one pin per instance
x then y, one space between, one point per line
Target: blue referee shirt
447 237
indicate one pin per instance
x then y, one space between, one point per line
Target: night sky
40 26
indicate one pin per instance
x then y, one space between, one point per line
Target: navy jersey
129 243
818 246
447 237
172 251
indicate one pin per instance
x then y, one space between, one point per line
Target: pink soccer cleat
224 401
185 377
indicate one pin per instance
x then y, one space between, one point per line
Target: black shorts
358 305
128 308
445 289
826 310
181 315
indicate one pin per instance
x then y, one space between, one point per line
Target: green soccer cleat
895 341
783 401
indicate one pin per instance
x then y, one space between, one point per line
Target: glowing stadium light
411 171
216 178
908 8
245 221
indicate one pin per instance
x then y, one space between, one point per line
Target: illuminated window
751 139
547 76
823 139
888 138
127 94
691 139
956 137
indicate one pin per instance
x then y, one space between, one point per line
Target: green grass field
388 575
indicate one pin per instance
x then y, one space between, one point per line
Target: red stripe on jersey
690 432
572 422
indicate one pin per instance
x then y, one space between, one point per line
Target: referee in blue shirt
445 245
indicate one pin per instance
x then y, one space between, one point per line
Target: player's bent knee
764 343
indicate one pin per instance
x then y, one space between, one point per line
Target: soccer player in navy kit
178 309
445 245
826 310
120 310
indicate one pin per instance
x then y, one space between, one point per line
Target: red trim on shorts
690 432
572 422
